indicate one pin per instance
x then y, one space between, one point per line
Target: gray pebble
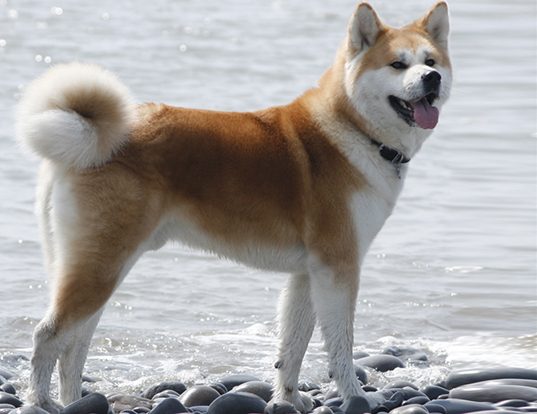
400 384
356 405
469 376
95 403
5 374
176 386
120 402
456 406
7 398
233 380
29 409
199 395
360 354
410 409
9 388
260 388
433 391
417 400
405 353
382 363
169 406
323 410
481 391
237 403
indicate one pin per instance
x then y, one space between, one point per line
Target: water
454 270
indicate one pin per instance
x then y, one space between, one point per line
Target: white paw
302 402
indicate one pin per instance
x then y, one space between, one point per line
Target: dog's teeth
404 104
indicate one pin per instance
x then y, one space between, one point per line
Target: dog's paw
301 402
50 407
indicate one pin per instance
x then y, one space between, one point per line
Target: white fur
49 126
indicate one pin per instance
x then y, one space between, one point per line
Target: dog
301 188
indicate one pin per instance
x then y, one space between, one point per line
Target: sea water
452 273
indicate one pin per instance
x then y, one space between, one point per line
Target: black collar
391 155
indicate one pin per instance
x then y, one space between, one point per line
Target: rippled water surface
454 270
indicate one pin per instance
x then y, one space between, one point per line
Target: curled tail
76 115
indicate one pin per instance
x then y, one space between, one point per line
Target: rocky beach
487 390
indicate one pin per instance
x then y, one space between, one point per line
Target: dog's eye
430 62
398 65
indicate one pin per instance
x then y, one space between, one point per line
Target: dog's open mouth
421 112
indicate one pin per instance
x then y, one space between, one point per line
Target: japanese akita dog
301 188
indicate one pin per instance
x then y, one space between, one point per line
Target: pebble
469 376
7 398
233 380
481 391
405 353
29 410
456 406
434 391
120 402
237 403
260 388
5 374
95 403
410 409
150 392
356 405
199 395
382 363
169 405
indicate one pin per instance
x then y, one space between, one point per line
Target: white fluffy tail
77 115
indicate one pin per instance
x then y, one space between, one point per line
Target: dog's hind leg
296 323
72 360
94 247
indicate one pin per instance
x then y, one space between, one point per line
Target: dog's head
398 79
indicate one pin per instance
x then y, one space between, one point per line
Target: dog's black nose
431 80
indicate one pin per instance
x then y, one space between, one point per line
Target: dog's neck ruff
394 157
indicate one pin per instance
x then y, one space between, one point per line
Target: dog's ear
364 28
436 23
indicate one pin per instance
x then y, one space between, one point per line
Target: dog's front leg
296 321
334 292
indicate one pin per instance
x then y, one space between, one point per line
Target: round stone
417 400
356 405
233 380
9 388
405 353
382 363
153 390
481 391
199 395
323 410
30 409
120 402
433 391
409 409
400 384
469 376
95 403
169 406
456 406
7 398
260 388
361 374
237 403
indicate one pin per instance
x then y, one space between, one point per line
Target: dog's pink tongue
425 115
